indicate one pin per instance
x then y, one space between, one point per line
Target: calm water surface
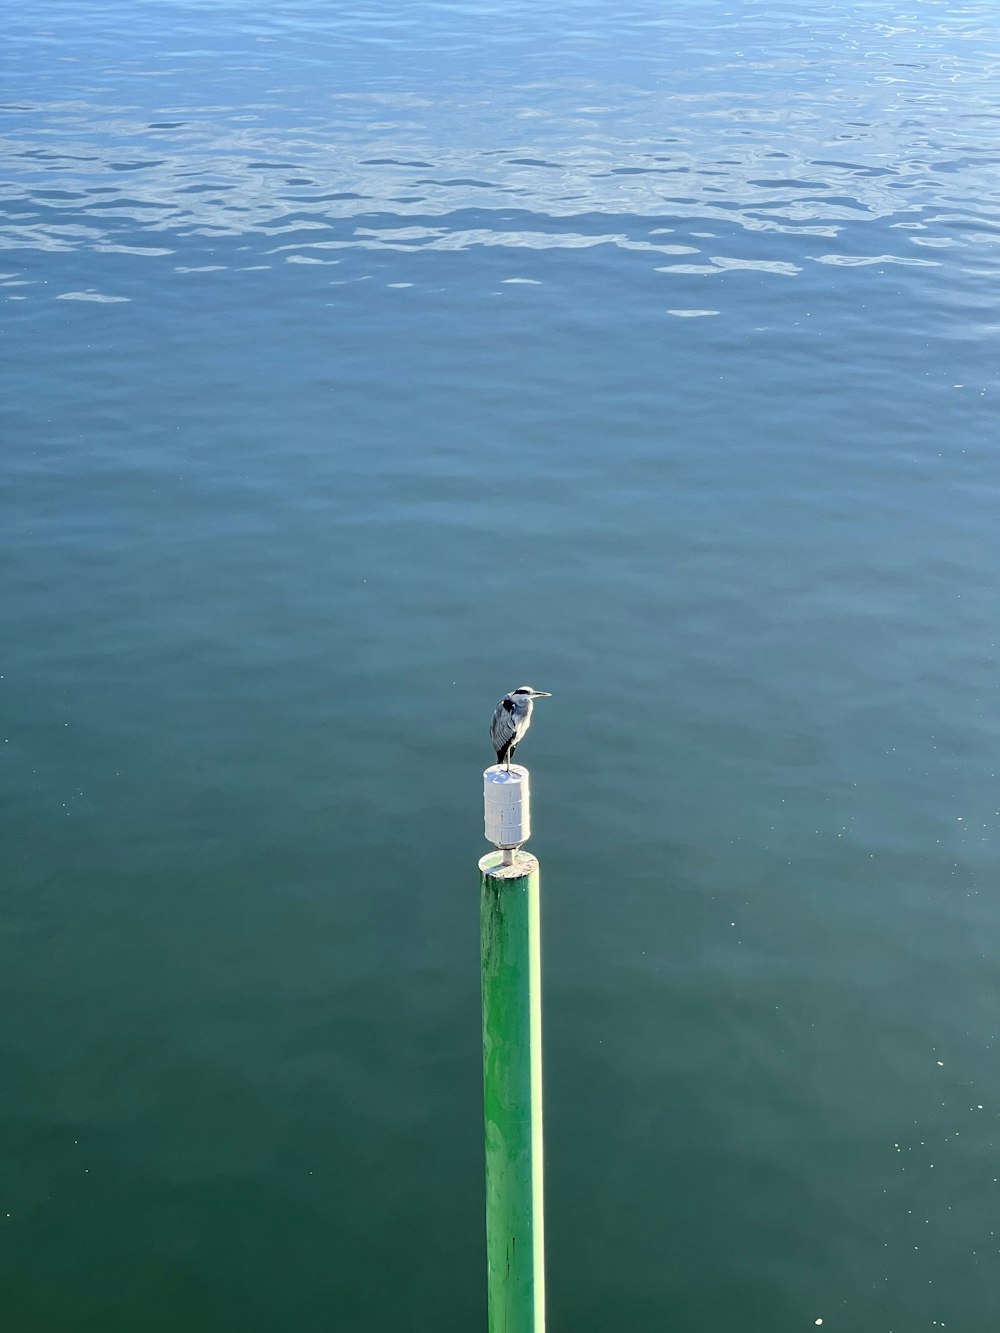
360 363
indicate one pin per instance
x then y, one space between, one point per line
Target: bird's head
529 692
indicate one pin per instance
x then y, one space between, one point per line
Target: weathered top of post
496 865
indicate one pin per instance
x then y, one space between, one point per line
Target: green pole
512 1091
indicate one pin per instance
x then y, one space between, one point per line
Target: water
361 364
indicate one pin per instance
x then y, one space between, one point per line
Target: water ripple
867 138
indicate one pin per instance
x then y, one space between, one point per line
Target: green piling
512 1091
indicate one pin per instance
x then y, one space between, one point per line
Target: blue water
361 364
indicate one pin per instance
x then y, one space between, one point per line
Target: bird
511 719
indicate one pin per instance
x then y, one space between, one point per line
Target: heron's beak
540 694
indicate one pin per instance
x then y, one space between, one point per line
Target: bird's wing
503 726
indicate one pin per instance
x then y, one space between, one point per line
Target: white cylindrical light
507 802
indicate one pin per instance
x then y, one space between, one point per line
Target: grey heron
512 719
